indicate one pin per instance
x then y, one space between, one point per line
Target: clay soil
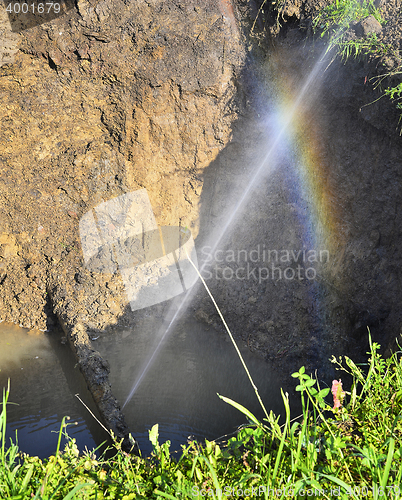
109 99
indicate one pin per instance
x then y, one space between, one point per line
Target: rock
147 103
119 96
8 246
291 8
368 26
8 39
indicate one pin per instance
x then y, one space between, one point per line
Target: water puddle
43 383
179 390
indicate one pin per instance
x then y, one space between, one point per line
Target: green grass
337 17
334 23
353 451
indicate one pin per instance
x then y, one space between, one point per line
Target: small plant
335 21
347 444
338 15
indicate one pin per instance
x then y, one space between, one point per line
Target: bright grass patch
348 450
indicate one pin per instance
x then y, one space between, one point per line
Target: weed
337 17
350 452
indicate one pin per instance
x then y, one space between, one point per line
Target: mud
105 100
112 98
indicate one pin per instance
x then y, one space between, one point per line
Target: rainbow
314 182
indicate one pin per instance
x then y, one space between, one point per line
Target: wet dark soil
111 98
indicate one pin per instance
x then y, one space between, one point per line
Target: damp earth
188 100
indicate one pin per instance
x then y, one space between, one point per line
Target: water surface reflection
43 381
179 391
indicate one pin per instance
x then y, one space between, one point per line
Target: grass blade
279 453
390 455
76 488
241 408
165 495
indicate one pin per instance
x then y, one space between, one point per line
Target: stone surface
93 112
110 98
116 96
368 26
8 40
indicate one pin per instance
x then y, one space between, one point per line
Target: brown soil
111 98
105 100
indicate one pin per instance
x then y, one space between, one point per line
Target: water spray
284 124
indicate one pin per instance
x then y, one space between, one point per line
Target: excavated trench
176 99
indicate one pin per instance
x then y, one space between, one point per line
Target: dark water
43 384
179 392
